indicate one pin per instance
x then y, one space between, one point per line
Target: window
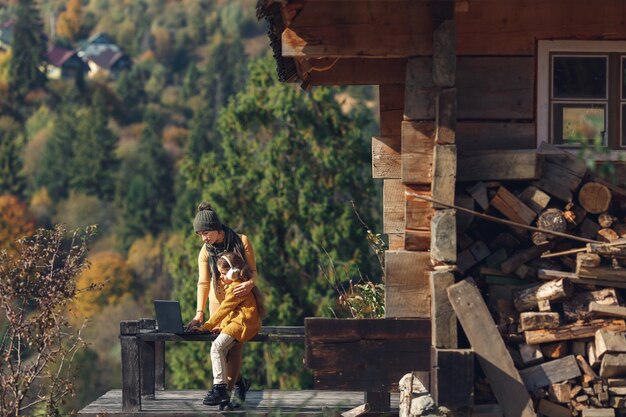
581 97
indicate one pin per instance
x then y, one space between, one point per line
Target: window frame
615 51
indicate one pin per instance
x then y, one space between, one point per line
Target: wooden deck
258 403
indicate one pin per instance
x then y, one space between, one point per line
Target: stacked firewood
552 271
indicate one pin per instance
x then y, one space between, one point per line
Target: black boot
239 393
218 395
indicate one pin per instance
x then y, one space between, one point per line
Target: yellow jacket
237 316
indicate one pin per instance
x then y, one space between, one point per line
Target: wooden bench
143 355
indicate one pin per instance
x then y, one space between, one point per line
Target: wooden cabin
457 77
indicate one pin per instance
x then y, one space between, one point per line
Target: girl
238 319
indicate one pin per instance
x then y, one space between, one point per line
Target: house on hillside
65 64
468 87
104 57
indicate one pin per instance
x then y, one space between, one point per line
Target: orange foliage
68 24
109 271
15 222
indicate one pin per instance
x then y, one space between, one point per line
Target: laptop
169 319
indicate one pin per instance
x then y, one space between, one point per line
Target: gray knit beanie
206 219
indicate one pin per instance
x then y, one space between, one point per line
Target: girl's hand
196 322
243 289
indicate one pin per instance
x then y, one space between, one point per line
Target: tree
68 25
289 165
144 192
15 222
11 178
52 171
94 164
36 286
27 68
131 92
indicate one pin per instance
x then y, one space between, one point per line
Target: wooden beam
499 165
418 212
489 347
386 157
407 290
393 206
357 71
444 322
550 373
444 54
572 331
489 135
418 139
444 174
341 29
443 240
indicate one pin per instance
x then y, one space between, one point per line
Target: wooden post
444 323
147 360
131 389
159 366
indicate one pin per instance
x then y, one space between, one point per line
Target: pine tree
26 70
190 82
11 178
94 164
144 189
130 90
52 171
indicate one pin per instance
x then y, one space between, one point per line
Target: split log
550 372
555 350
607 235
594 197
549 409
561 392
613 364
606 219
531 354
526 299
512 207
478 192
573 331
550 219
589 229
620 229
593 359
598 412
615 310
532 321
616 250
534 198
609 341
577 307
584 366
588 260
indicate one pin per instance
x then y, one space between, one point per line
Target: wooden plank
551 274
358 71
492 27
386 157
418 213
452 377
512 207
444 322
599 412
393 206
492 354
572 331
558 370
339 29
443 239
605 273
407 290
603 310
420 94
444 54
444 174
490 135
499 165
327 330
613 365
418 140
445 117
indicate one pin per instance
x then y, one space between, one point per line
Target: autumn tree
68 24
26 70
36 286
15 222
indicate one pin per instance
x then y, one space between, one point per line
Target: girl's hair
245 275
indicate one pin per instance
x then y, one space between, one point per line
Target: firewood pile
553 279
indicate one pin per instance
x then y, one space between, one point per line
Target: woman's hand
243 289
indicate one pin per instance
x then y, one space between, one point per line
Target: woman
218 239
